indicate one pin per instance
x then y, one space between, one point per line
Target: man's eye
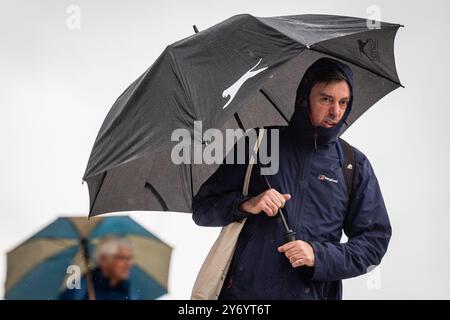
344 103
326 100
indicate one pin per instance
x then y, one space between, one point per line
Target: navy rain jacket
318 212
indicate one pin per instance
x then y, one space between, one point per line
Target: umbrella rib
157 195
96 195
357 64
274 105
239 121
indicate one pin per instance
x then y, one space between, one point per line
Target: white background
57 85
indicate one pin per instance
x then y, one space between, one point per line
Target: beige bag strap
252 162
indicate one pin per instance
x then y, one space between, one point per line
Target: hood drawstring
315 141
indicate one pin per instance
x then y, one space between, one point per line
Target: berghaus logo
323 177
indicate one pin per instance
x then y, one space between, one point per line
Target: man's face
118 266
328 102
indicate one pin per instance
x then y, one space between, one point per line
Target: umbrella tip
195 28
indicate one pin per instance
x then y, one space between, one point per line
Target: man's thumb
287 196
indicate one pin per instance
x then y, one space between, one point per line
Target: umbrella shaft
280 212
90 278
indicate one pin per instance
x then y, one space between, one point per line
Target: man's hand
268 201
299 253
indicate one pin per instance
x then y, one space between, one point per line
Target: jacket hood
300 123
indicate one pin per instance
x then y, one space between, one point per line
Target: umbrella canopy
240 73
37 269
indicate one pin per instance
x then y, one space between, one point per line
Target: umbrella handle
289 234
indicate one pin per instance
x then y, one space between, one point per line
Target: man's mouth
330 123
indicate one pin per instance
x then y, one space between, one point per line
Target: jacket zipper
305 169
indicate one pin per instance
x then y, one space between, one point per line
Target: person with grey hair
110 278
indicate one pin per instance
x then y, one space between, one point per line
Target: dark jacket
318 212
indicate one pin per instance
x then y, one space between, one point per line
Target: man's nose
334 109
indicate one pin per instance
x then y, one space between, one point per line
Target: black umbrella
240 73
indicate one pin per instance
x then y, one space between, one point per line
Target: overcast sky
57 85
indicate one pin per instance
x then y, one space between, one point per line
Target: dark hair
327 75
323 70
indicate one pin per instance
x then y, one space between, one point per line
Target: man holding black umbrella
310 187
